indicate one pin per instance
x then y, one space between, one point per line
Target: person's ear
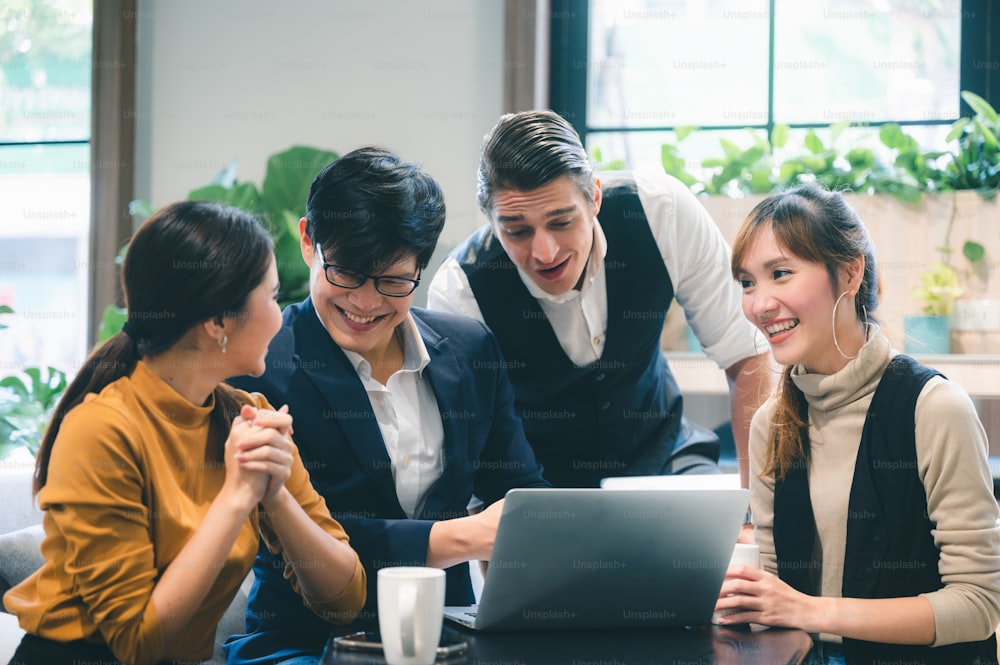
597 196
215 328
853 274
305 243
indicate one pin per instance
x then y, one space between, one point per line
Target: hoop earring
833 322
222 344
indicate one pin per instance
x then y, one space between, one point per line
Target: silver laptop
574 559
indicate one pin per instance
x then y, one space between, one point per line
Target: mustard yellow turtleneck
132 473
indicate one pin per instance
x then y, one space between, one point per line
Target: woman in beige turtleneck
809 276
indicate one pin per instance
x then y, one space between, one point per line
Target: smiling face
260 321
547 232
361 320
791 301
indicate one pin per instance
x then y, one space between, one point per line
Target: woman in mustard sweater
158 480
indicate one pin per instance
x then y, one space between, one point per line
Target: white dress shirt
407 413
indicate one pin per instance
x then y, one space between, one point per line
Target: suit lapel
443 373
329 370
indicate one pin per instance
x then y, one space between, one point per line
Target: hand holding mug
746 554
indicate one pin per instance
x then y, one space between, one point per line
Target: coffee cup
410 612
747 554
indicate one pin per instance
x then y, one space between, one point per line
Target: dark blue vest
890 551
620 415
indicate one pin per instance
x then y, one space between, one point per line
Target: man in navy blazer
401 416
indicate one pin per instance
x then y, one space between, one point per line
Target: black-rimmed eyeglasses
387 285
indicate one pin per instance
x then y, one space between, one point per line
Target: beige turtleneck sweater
952 450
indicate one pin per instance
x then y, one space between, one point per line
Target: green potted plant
975 319
929 331
280 201
27 399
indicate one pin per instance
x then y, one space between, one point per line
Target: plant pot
975 326
926 334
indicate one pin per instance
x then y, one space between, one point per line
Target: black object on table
703 645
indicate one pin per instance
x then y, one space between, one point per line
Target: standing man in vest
574 274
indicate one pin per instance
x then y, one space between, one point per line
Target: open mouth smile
360 320
778 328
554 272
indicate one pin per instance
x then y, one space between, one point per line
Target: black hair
369 209
528 150
188 263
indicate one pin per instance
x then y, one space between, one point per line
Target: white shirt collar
415 356
595 265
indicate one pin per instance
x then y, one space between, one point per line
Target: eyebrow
768 265
773 262
552 213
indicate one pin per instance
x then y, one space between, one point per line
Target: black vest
890 552
620 415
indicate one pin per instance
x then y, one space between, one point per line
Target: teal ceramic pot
925 333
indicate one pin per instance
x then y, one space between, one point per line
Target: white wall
247 78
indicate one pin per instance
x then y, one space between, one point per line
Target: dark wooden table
688 646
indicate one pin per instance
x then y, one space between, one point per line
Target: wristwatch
748 518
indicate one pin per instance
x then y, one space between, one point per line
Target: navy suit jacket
485 453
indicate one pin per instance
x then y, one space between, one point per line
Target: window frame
569 42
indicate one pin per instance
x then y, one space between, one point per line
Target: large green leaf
244 196
987 135
26 405
17 386
288 177
813 142
731 150
892 136
860 158
980 106
293 273
779 136
684 131
957 129
111 323
973 251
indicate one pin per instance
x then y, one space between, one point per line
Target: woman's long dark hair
190 262
819 226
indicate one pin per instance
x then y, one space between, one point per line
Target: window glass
45 69
43 255
868 61
658 63
664 64
45 74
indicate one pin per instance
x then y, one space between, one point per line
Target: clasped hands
259 453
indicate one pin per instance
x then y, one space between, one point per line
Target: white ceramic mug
410 612
747 554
